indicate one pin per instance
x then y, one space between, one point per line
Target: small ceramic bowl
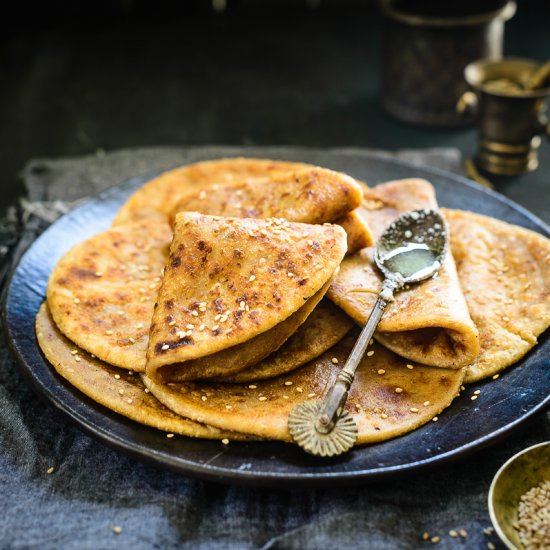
520 473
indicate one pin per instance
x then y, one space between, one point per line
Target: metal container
427 44
510 123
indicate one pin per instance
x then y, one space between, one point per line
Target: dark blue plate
504 404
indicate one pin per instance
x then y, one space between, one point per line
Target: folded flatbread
504 271
156 199
387 398
117 389
429 322
102 292
324 328
309 195
229 280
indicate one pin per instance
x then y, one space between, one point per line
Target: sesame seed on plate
473 398
77 358
435 418
169 436
370 353
50 470
225 441
117 529
117 376
495 376
335 360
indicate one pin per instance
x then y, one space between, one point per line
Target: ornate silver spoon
410 250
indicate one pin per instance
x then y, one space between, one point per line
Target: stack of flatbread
229 291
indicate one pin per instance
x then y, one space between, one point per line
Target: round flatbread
102 292
387 398
504 271
118 390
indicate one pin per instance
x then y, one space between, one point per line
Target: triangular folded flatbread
309 195
102 292
389 397
119 390
504 271
156 199
228 280
428 322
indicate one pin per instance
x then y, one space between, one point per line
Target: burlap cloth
93 488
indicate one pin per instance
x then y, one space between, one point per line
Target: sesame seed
477 392
319 266
169 436
495 376
435 419
251 278
242 304
425 536
204 398
413 409
262 398
147 390
225 441
189 333
195 313
491 546
398 390
426 403
202 327
288 383
189 326
285 397
252 386
223 318
370 353
299 390
473 398
335 360
77 300
180 334
140 325
313 395
117 529
129 400
77 358
132 340
217 317
488 530
165 347
229 407
435 540
409 366
74 352
120 312
290 274
383 415
121 392
381 371
117 376
463 533
215 327
50 470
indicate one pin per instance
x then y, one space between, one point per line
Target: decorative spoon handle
332 405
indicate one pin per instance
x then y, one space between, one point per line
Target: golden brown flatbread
309 195
156 199
504 271
387 398
357 230
102 292
429 322
324 328
116 389
229 280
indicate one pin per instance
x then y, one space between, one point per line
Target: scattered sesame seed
129 400
147 390
225 441
229 407
215 327
488 530
426 403
288 383
435 418
252 386
180 334
313 395
495 376
202 327
477 392
121 392
195 313
473 398
117 376
204 398
50 470
120 312
262 398
319 266
381 371
398 390
370 353
77 358
74 352
217 317
290 274
165 347
132 340
251 278
491 546
413 409
410 367
383 415
335 360
223 318
425 536
117 529
242 305
140 325
285 396
169 436
435 540
463 533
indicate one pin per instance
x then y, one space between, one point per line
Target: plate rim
227 475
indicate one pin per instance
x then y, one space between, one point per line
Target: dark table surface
77 79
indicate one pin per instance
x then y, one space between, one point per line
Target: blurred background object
427 45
